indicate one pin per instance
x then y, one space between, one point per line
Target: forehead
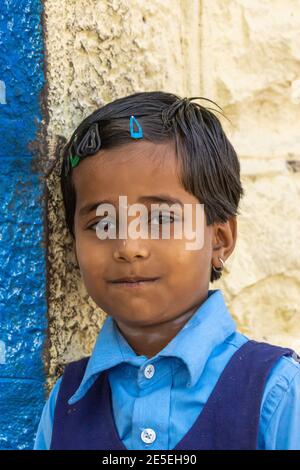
134 170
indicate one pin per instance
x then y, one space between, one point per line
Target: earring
220 269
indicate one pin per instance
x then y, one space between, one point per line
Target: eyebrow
84 210
160 198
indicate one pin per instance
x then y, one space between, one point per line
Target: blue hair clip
135 135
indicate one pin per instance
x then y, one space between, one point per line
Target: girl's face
145 173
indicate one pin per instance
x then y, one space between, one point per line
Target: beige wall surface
245 55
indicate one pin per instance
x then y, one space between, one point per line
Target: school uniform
209 388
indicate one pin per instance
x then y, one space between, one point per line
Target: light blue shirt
169 398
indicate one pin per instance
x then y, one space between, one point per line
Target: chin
137 311
137 318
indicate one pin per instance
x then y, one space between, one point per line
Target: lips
134 281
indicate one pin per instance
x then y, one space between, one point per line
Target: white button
149 371
148 436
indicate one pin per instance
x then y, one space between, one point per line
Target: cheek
188 266
91 257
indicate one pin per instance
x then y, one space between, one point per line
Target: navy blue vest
229 420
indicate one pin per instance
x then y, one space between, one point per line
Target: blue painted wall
22 254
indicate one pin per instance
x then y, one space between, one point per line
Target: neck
150 339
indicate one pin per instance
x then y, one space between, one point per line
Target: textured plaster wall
251 65
243 54
23 310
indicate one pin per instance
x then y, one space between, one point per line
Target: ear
223 241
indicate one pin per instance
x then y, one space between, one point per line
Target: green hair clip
74 160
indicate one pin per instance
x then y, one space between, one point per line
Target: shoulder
74 369
44 432
280 407
284 375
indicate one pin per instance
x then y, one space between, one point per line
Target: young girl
169 370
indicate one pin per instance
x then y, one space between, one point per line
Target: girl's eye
103 224
162 219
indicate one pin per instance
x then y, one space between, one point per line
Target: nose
129 250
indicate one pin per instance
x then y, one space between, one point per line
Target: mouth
131 282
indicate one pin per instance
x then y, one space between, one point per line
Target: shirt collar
210 325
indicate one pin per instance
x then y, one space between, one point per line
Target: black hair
210 168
